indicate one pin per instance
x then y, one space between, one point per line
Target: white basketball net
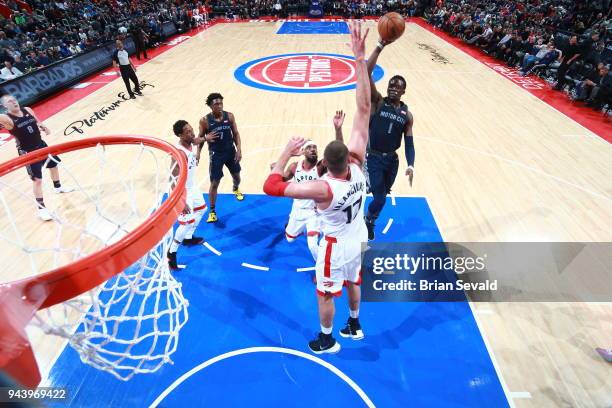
131 323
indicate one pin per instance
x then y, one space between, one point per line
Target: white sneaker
63 189
44 214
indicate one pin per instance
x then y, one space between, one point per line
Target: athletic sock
326 330
173 246
57 184
40 202
354 314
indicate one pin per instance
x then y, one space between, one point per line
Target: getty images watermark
405 263
451 272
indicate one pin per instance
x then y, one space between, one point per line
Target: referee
127 70
390 121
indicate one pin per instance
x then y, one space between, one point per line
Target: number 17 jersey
343 219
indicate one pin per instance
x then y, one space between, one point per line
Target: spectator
20 65
530 60
601 90
551 56
42 59
571 53
9 71
140 39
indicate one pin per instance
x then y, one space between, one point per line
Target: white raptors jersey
192 164
301 176
344 216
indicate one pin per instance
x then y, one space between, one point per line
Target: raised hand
358 40
339 119
294 146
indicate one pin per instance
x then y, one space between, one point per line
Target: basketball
391 26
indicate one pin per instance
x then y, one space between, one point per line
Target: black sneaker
138 93
192 241
352 329
370 225
172 261
324 343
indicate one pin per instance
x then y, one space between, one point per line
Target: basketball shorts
35 169
337 261
300 221
195 201
218 159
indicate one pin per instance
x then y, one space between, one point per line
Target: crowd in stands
564 41
36 33
291 8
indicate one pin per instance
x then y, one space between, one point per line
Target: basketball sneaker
324 343
212 216
605 354
63 189
44 214
352 329
193 241
172 261
239 195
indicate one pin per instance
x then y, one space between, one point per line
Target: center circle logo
302 73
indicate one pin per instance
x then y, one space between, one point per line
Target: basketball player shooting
391 121
25 127
339 196
195 206
303 216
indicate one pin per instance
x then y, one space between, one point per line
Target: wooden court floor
493 162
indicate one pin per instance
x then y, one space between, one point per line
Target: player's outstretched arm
359 134
375 95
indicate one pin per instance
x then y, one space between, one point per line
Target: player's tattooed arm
290 171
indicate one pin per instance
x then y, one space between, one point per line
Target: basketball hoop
125 271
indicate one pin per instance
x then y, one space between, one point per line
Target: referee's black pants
127 73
